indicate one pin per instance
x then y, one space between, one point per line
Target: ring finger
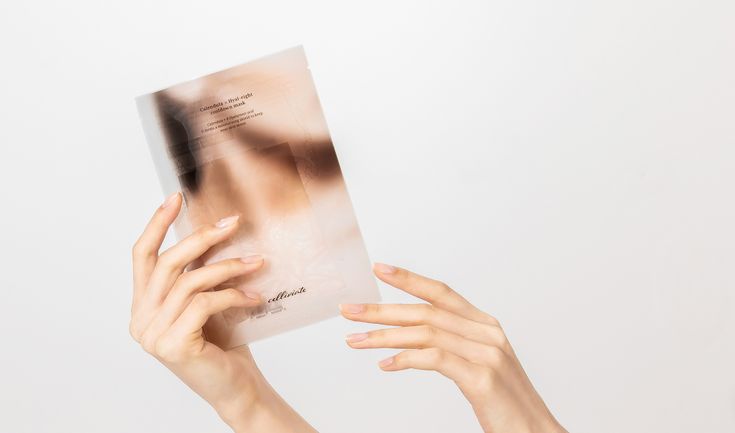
421 337
193 282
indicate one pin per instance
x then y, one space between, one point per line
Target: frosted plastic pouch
252 140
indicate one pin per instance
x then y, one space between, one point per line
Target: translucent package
252 140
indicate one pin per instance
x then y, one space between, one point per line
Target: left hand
172 304
449 335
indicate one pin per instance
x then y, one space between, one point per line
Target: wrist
261 409
241 408
529 420
264 411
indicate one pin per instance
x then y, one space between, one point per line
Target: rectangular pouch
252 141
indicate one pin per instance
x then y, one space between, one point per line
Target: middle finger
423 314
171 263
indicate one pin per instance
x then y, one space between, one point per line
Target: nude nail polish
354 338
226 222
385 269
169 200
255 258
352 308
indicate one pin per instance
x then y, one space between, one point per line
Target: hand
170 307
453 337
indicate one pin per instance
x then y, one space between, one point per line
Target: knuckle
183 281
374 309
507 350
166 260
148 344
427 333
442 287
502 341
496 335
237 297
231 295
495 357
201 301
377 336
181 290
139 249
435 355
203 231
134 331
168 350
491 319
426 311
233 266
399 359
204 234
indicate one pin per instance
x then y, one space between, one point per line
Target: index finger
432 291
145 249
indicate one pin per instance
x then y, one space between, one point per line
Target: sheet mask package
252 141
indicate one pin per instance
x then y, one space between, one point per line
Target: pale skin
445 333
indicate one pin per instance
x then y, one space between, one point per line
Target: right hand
449 335
170 307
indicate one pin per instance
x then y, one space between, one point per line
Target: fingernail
252 295
170 199
352 308
385 269
255 258
386 362
226 222
354 338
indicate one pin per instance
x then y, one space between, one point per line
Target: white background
567 165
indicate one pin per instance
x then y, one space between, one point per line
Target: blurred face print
252 141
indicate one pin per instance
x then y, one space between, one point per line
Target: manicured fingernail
255 258
226 222
385 269
354 338
170 199
252 295
352 308
386 362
